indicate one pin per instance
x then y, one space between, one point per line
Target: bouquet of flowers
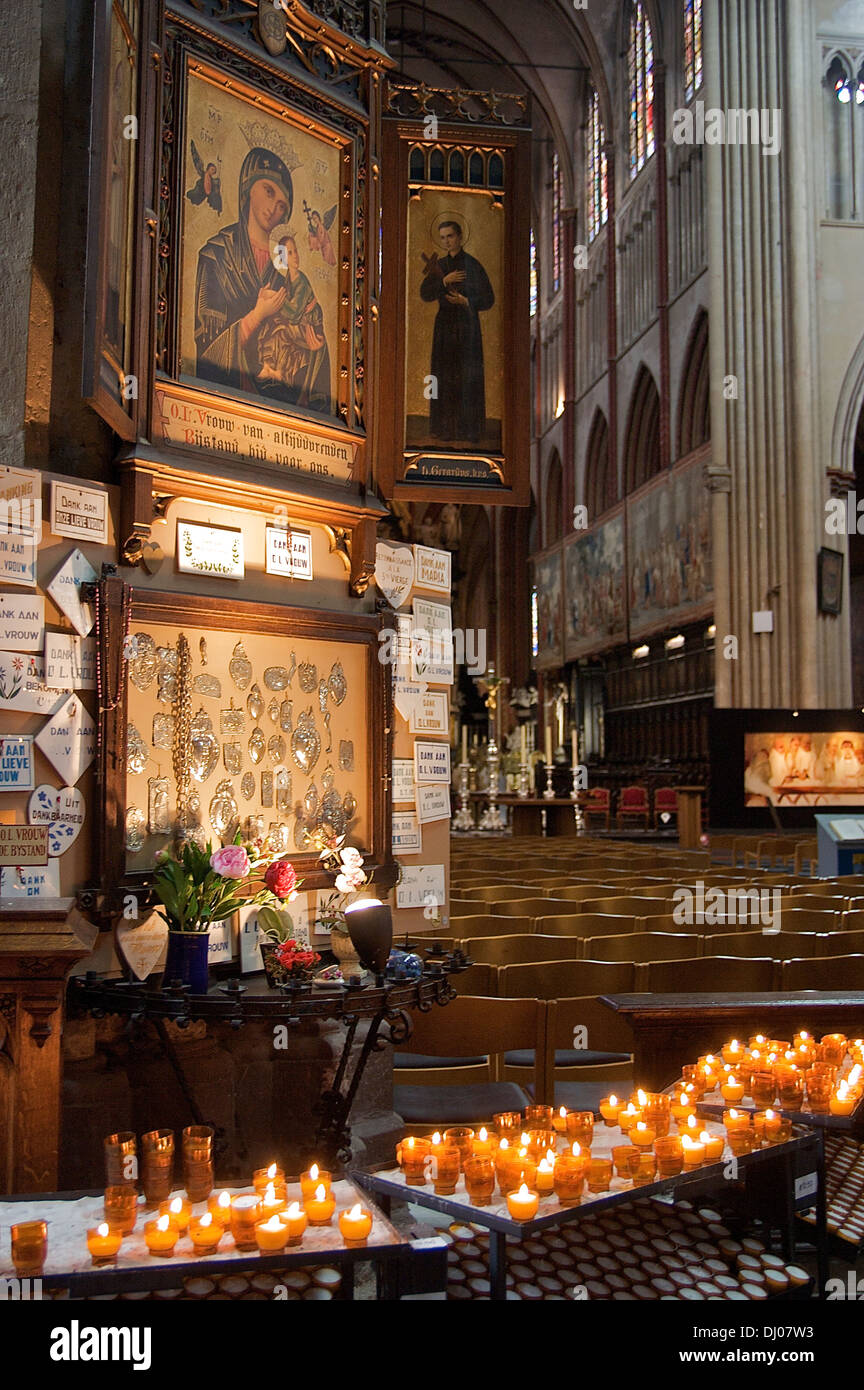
205 885
296 960
351 877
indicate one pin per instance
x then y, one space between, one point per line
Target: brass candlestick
463 820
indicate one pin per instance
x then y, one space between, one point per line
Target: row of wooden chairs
632 915
482 1055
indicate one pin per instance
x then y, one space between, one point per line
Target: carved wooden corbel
40 1007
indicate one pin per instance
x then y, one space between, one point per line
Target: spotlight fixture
712 632
673 643
640 652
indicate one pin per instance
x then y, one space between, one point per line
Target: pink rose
281 878
351 858
350 880
230 862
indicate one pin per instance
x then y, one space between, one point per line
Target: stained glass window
692 47
597 174
556 224
533 272
641 74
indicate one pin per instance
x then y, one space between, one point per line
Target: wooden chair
824 888
709 975
665 804
642 946
581 892
632 805
521 949
463 907
534 907
626 906
483 924
471 1026
806 852
809 919
597 805
502 892
574 1080
836 943
823 972
817 902
480 978
781 945
720 848
558 979
777 850
585 924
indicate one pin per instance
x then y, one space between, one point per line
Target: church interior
432 658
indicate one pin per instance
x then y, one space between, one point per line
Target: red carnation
281 878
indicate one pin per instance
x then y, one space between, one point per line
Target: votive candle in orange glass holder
540 1141
833 1048
742 1141
820 1088
599 1174
121 1159
29 1248
522 1204
538 1116
219 1207
312 1179
245 1211
205 1232
657 1113
732 1052
157 1165
580 1128
355 1225
262 1176
568 1178
732 1089
462 1137
621 1158
642 1167
714 1145
691 1127
121 1208
445 1168
480 1180
693 1151
271 1235
559 1120
198 1161
641 1137
766 1124
681 1106
295 1221
691 1075
103 1244
628 1116
322 1204
518 1167
411 1155
790 1086
763 1088
179 1213
484 1144
843 1101
508 1123
160 1236
545 1174
735 1120
782 1134
669 1151
273 1201
609 1109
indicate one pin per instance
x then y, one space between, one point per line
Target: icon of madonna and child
259 326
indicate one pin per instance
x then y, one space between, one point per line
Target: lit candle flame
525 1138
523 1194
576 1151
504 1144
562 1111
356 1213
550 1156
436 1137
270 1195
411 1142
176 1206
483 1136
320 1193
103 1229
224 1199
294 1211
545 1165
162 1224
274 1224
704 1137
313 1172
206 1219
641 1097
272 1170
613 1100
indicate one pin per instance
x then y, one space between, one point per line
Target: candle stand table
384 1006
401 1264
782 1179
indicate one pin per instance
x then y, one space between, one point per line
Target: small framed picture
830 580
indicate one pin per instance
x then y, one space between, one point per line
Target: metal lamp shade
370 926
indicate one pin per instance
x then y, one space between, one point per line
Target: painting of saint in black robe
240 291
457 414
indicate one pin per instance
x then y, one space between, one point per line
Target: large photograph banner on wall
595 613
455 413
669 551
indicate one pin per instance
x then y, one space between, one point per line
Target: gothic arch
553 511
642 436
849 407
601 487
694 408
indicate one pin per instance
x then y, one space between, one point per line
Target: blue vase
187 960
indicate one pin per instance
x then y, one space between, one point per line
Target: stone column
764 346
